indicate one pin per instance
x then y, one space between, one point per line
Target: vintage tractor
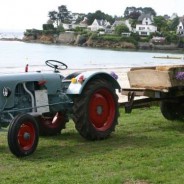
39 103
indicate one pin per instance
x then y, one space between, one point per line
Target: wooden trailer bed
156 78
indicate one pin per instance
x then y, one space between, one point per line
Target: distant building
99 24
180 27
145 26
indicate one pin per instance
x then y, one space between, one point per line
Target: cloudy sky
23 14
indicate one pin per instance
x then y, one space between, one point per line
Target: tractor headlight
6 92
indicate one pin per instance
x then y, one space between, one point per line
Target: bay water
17 54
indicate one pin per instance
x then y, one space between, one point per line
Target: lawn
145 148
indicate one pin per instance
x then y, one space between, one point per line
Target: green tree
161 23
63 14
174 24
129 10
120 29
133 12
99 15
149 10
53 16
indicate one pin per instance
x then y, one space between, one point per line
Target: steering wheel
57 65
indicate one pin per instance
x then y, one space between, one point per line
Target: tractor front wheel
23 135
95 111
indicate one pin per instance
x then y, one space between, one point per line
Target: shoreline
158 48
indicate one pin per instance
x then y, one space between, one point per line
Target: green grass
145 148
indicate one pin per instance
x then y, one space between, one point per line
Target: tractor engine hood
9 82
52 80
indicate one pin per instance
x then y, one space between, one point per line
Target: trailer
164 84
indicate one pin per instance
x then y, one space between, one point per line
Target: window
141 28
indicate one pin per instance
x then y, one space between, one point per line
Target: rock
66 38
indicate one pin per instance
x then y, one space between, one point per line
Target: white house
180 27
67 26
145 27
99 24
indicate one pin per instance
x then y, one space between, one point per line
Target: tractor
40 103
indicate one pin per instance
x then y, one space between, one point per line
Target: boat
167 57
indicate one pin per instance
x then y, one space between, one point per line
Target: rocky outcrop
110 44
151 46
48 39
66 38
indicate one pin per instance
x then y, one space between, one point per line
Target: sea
16 54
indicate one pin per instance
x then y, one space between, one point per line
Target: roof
182 20
102 22
143 15
118 22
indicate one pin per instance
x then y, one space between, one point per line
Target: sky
23 14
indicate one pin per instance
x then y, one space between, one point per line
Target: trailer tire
23 135
96 111
50 125
171 110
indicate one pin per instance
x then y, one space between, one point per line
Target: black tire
23 135
95 111
172 110
52 124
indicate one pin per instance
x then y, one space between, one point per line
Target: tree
134 15
128 11
174 24
133 12
63 14
99 15
148 10
161 23
120 29
53 16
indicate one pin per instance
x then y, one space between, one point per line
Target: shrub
48 27
32 32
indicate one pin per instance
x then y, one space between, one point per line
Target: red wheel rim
102 109
26 136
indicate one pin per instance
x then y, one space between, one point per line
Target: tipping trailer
160 83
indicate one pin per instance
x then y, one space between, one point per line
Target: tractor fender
80 81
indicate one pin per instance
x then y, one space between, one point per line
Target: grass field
145 148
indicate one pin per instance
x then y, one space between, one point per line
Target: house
84 22
99 24
180 27
121 22
173 16
145 26
67 26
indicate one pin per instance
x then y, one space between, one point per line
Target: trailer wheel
171 110
95 111
23 135
50 124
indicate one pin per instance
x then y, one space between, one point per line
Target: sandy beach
121 72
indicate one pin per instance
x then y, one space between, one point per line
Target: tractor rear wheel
172 110
23 135
95 111
52 124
